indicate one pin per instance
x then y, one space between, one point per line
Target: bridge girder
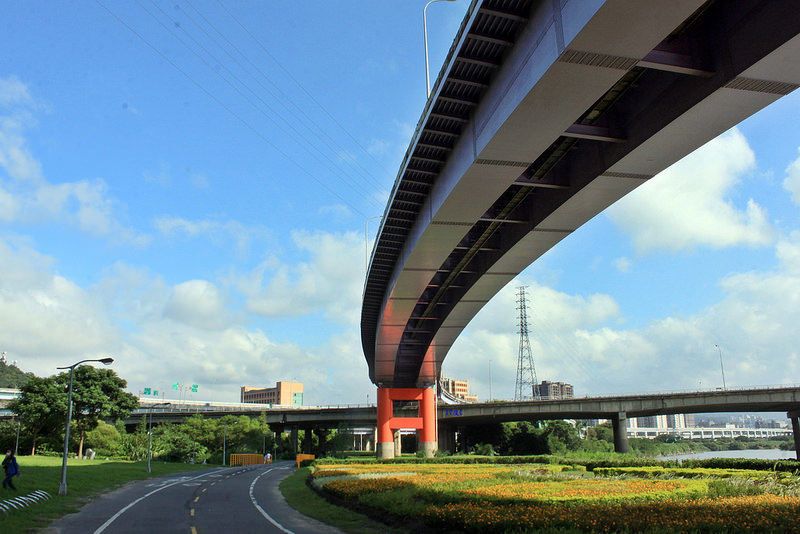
493 192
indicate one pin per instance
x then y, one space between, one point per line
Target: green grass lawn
306 501
85 479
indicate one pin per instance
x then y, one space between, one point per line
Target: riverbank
761 454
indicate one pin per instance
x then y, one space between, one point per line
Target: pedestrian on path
11 468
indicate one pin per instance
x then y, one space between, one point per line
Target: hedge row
590 464
790 466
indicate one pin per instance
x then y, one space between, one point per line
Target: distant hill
12 377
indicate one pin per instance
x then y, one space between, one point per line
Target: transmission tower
527 386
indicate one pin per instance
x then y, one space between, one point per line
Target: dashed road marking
143 497
261 510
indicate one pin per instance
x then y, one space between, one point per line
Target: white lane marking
115 516
265 514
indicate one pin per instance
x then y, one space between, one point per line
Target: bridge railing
200 406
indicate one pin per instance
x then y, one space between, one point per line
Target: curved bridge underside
541 118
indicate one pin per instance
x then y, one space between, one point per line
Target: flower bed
658 471
501 497
763 513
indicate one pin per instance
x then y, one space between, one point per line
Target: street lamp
150 430
16 445
224 430
425 34
721 368
62 489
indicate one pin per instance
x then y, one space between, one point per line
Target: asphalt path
220 500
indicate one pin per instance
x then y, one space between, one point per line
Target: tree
41 405
526 438
96 394
12 377
105 439
495 434
561 437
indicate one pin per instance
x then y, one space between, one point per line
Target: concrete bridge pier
322 445
293 439
620 424
307 446
795 418
425 422
447 437
398 443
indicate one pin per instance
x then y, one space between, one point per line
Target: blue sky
186 187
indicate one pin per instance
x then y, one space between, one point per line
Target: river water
763 454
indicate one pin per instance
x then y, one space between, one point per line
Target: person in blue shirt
11 468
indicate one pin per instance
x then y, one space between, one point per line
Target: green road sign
194 388
146 391
175 385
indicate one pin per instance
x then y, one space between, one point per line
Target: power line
321 133
266 51
227 108
270 116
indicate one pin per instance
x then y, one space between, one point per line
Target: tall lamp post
150 430
721 368
425 35
16 445
62 489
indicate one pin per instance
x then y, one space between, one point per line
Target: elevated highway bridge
544 114
616 408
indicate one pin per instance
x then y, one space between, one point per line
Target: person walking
11 468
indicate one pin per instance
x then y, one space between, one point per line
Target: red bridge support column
428 433
425 422
384 446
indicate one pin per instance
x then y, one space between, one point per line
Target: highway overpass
544 114
450 417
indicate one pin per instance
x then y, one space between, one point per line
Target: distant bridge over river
616 408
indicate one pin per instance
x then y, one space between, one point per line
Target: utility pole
527 384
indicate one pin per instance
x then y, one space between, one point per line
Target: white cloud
15 157
159 334
792 181
623 264
14 92
687 205
47 320
200 304
338 212
25 194
581 341
219 232
330 282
